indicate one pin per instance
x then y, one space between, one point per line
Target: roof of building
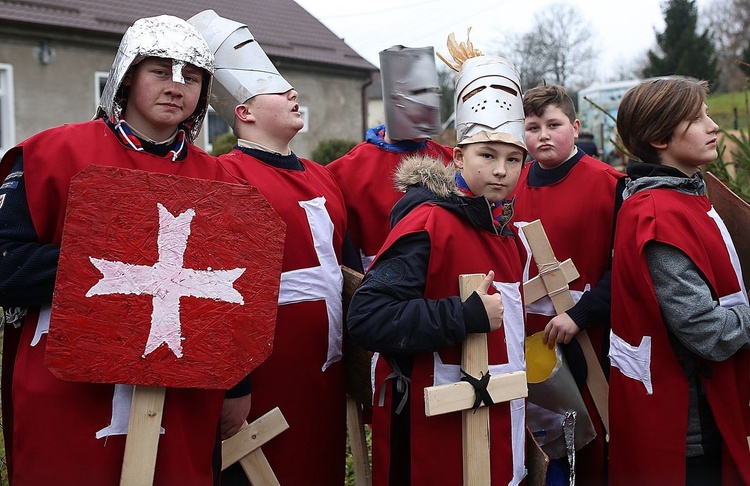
282 27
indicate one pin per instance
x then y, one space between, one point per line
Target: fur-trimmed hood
432 173
428 180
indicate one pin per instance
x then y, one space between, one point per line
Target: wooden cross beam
554 276
244 447
461 396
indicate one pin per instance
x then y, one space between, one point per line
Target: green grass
722 106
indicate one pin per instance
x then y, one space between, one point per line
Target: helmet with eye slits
243 70
489 104
411 92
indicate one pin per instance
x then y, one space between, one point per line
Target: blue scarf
376 136
500 212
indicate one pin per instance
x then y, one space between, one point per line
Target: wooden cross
244 447
461 396
554 277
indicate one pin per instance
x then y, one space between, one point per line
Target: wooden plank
537 462
258 470
557 289
252 436
356 360
534 289
142 442
735 213
358 443
454 397
476 423
358 387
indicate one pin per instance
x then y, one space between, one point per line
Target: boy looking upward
261 106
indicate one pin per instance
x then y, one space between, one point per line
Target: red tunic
365 176
62 447
649 409
577 213
436 455
304 376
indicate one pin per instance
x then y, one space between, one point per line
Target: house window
7 117
304 112
100 80
213 127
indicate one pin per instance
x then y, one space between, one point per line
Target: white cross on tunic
323 282
167 281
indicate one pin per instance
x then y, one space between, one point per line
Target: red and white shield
164 281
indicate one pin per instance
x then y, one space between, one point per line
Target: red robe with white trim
50 425
365 176
436 450
293 378
577 213
648 432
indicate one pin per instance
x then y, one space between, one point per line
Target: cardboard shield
736 215
164 281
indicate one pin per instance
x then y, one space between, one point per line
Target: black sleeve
594 305
27 268
241 389
389 314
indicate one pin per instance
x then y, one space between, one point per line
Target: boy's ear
243 113
458 157
659 145
576 127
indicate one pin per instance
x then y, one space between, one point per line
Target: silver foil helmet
166 37
411 92
243 70
489 104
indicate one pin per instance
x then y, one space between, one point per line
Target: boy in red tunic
411 102
561 182
679 384
152 107
407 309
304 374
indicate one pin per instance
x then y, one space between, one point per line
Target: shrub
224 144
330 150
733 165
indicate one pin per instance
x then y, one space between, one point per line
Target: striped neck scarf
129 138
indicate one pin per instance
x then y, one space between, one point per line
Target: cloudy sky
624 30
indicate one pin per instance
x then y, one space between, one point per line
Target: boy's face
156 105
490 169
692 145
550 137
277 114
